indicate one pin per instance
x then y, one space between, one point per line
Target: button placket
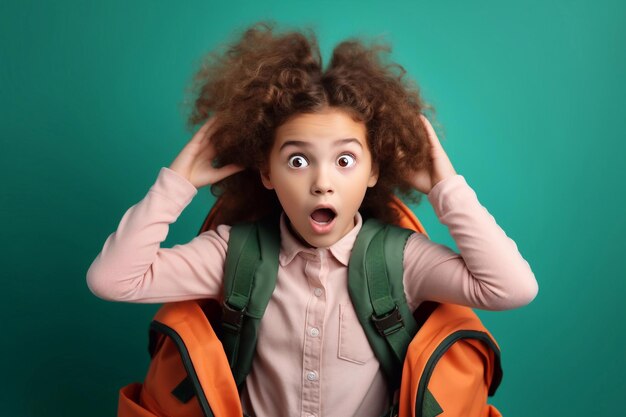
314 270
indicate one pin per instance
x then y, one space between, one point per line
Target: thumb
218 174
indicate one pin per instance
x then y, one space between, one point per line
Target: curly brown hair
257 82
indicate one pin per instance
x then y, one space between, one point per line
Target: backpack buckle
389 323
232 318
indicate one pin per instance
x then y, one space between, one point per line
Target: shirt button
318 292
311 376
314 332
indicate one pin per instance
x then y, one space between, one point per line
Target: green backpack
374 284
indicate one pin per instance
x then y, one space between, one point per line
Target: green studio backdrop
530 101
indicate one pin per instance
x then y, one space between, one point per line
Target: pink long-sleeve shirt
312 358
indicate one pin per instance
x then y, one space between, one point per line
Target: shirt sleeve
488 274
133 267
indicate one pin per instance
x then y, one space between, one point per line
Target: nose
322 183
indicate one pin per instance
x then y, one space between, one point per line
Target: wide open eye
346 161
298 161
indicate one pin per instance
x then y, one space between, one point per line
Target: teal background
530 98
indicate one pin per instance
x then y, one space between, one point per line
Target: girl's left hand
440 166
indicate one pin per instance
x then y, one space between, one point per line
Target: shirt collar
292 246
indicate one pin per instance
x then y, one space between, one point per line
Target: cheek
288 185
356 188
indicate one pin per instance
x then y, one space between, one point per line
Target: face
320 167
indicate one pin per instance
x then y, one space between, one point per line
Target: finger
428 126
203 132
207 151
228 170
432 135
216 175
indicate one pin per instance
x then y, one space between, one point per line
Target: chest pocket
353 344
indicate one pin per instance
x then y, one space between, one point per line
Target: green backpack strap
249 279
377 293
374 282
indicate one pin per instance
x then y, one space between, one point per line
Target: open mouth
323 215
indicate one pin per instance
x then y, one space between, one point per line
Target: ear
373 179
265 178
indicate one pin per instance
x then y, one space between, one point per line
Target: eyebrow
308 144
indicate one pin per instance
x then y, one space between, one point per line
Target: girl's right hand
195 161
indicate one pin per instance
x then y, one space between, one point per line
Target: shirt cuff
174 186
450 192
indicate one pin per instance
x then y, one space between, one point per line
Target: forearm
121 268
489 273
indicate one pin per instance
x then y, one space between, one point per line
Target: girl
326 149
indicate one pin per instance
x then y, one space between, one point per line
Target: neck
296 234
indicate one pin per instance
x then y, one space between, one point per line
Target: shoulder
223 231
220 235
416 239
420 244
